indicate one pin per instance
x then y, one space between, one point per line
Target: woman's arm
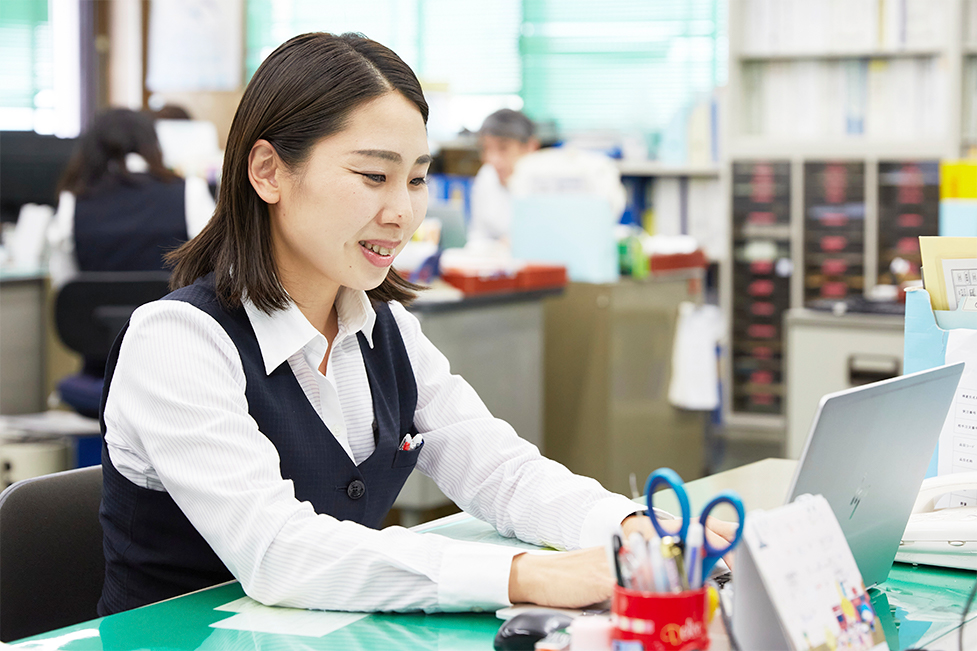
481 464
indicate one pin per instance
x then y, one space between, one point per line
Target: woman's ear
264 167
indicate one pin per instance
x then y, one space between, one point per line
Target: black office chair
51 560
89 311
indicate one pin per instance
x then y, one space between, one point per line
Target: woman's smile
379 253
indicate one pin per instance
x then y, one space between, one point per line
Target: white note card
257 618
797 584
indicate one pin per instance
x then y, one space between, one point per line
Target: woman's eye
421 180
376 178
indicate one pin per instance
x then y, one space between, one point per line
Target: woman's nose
399 207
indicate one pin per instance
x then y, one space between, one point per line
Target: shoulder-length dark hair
100 155
303 92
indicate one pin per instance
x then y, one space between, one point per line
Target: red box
833 242
661 621
761 267
760 288
834 219
541 276
474 284
908 245
763 308
761 331
834 267
910 220
671 261
837 289
761 217
763 352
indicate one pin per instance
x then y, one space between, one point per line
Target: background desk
32 357
22 331
918 606
608 366
495 342
827 353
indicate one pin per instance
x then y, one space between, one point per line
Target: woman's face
351 207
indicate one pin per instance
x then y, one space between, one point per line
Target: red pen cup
661 621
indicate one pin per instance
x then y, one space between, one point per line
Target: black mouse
525 629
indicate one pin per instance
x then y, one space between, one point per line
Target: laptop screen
867 453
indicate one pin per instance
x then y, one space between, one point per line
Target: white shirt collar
285 332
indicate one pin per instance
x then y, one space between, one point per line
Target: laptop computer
867 454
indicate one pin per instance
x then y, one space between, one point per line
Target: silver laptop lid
867 453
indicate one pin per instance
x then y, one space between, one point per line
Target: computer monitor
30 167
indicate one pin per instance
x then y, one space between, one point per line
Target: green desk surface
917 605
184 623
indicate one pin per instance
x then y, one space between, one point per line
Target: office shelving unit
828 100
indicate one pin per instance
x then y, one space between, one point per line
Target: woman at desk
119 208
260 421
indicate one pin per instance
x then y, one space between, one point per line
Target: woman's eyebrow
392 156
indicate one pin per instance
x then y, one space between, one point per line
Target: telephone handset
945 537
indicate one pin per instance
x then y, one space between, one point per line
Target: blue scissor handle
670 478
712 554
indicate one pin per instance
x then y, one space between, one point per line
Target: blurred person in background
504 138
119 207
171 112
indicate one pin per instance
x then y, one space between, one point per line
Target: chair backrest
91 308
51 561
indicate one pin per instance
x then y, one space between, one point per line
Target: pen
616 553
657 564
674 566
693 554
642 579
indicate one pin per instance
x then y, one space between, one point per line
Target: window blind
620 64
27 53
465 46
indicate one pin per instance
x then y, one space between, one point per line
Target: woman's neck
317 303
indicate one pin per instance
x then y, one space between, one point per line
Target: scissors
670 478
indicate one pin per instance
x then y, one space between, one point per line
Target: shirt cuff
604 518
475 577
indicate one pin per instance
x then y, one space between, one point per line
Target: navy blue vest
128 227
152 552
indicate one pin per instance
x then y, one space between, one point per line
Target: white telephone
946 537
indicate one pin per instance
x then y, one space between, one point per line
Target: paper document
957 451
255 617
462 526
949 269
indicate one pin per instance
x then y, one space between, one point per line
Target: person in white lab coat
504 138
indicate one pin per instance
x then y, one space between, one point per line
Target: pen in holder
676 621
659 602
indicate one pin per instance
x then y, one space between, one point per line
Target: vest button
356 489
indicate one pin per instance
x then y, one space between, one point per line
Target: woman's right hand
567 580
